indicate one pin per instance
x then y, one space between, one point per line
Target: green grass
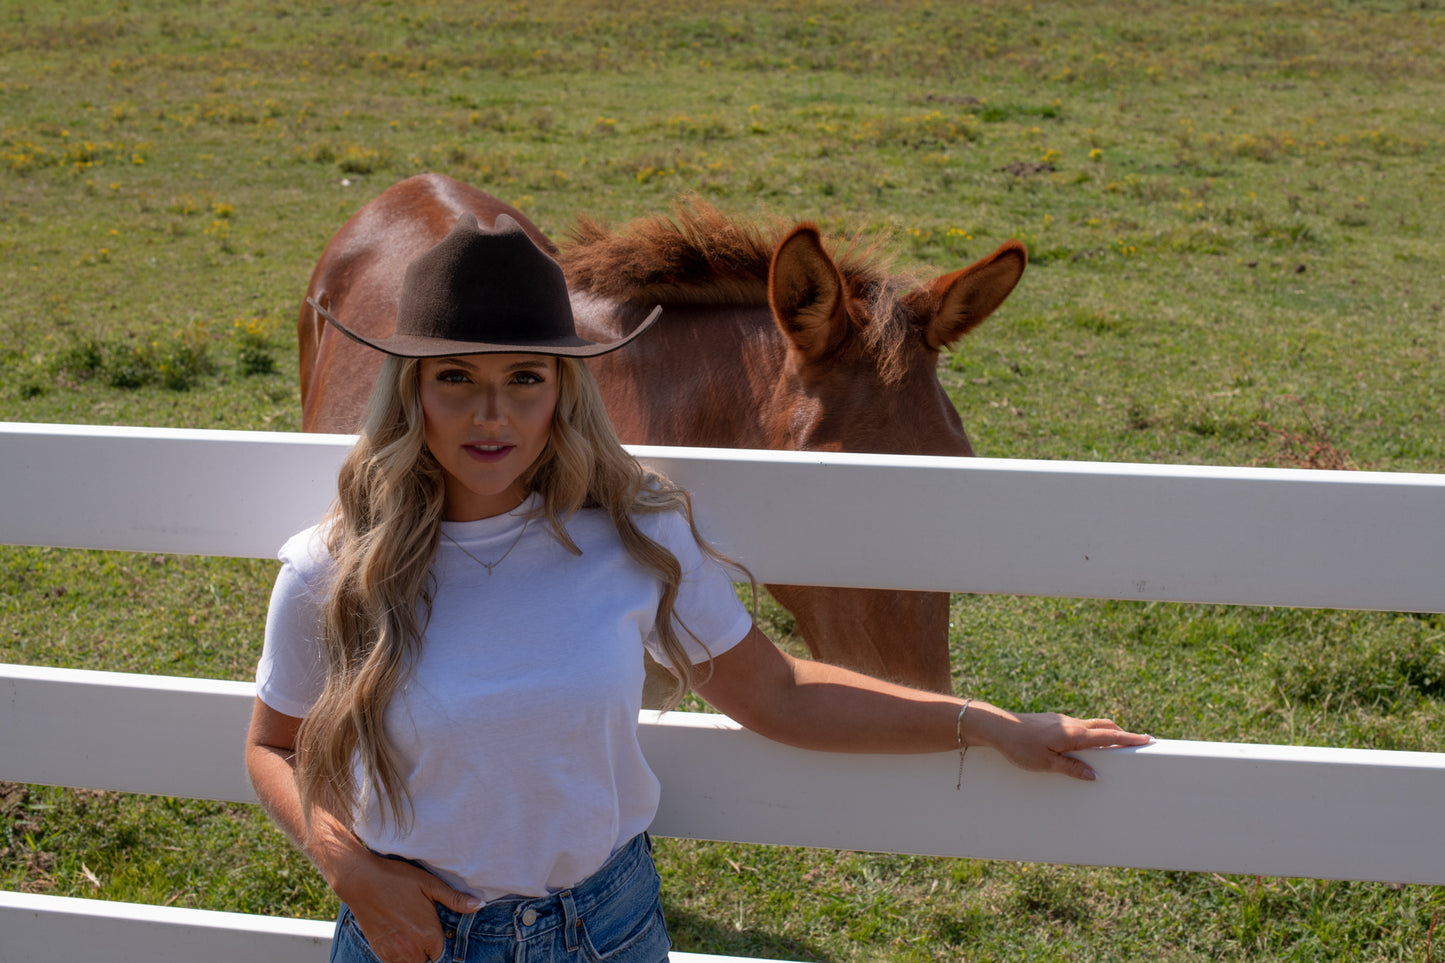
1235 260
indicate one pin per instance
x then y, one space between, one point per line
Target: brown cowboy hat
484 291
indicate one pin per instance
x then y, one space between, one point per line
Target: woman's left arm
815 705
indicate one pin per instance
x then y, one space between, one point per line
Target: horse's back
359 278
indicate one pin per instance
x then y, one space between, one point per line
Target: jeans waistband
524 917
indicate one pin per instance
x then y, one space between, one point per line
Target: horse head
861 367
860 375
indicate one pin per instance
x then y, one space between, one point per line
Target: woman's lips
489 452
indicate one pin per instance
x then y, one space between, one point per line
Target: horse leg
858 629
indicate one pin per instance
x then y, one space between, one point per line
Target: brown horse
765 342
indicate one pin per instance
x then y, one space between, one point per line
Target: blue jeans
614 915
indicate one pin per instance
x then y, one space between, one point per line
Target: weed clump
177 364
255 354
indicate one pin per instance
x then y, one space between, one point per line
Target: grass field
1236 250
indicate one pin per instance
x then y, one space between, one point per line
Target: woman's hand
1038 741
393 902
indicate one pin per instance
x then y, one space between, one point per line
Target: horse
766 340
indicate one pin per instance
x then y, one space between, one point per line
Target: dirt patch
15 824
12 797
953 100
1025 168
1306 449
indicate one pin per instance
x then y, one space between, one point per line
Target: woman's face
488 418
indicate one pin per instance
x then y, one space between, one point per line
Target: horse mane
697 256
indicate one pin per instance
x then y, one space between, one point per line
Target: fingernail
1090 775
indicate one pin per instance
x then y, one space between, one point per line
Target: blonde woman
448 696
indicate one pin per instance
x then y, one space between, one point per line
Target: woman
447 700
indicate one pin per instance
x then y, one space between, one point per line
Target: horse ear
968 296
806 293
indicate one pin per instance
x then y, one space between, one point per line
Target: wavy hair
382 533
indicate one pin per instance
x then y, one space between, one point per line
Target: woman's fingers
1039 742
396 937
1074 768
1095 734
394 905
441 893
1072 733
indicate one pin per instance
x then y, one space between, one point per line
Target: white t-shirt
516 732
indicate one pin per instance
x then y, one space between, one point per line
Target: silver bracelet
962 746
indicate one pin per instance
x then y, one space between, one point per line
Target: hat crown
488 287
482 291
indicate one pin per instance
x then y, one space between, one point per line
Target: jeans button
529 916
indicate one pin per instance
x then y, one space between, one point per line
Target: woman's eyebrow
529 364
523 363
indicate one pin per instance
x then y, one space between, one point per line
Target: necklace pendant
490 565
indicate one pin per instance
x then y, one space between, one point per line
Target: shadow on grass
696 934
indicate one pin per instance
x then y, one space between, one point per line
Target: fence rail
1163 533
1252 536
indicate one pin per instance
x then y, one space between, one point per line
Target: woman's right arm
391 899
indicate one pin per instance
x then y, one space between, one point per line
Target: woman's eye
528 378
452 376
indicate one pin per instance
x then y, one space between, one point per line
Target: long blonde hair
382 533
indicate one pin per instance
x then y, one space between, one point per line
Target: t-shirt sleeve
708 617
292 670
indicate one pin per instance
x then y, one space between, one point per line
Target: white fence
1164 533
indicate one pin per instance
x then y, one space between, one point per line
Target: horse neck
704 376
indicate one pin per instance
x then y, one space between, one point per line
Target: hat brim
416 346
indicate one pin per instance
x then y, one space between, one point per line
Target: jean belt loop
464 932
570 921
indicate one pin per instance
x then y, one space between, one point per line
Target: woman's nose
490 409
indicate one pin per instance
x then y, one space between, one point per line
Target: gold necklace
491 565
